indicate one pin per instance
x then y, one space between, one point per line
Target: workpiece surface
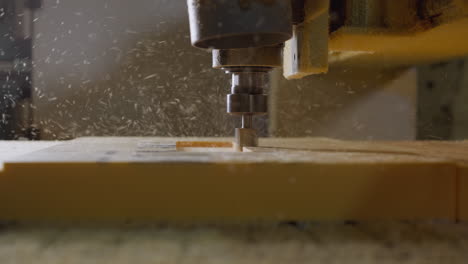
150 179
12 149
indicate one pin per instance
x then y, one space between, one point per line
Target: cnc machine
249 38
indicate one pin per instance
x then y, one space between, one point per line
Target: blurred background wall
119 67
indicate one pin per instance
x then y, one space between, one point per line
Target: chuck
248 99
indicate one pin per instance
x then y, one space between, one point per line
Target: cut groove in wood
205 146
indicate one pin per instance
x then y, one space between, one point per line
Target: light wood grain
147 179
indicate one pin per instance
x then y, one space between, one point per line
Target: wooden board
149 179
462 192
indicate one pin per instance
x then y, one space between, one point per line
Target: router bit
246 135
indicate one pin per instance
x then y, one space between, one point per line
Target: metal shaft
246 121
